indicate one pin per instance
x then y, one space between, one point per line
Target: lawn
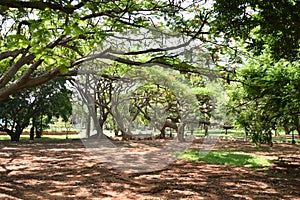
219 132
225 157
44 137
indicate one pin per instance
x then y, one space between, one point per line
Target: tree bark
32 129
163 133
88 127
180 133
286 130
206 129
15 135
31 137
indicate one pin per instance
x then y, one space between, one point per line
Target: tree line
252 45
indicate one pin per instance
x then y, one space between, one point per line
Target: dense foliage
273 24
40 40
266 100
35 106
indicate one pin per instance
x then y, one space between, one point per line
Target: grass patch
286 140
220 132
44 137
58 137
7 137
224 158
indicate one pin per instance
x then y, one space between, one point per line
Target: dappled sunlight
57 170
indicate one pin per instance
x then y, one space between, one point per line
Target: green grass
220 132
286 140
224 158
44 137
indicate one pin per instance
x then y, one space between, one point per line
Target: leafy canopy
40 40
273 24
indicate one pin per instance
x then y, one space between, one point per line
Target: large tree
40 40
266 92
267 97
273 24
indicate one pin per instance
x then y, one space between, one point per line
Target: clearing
64 169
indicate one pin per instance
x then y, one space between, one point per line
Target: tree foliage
40 40
267 97
38 106
273 24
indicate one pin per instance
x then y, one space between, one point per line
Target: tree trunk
286 130
125 136
246 134
225 131
100 133
39 130
162 133
32 129
11 133
276 132
180 133
270 142
298 130
15 136
116 132
297 125
88 127
206 129
31 137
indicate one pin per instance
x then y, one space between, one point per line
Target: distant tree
35 105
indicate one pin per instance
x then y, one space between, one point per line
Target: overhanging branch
41 5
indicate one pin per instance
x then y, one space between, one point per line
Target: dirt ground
66 170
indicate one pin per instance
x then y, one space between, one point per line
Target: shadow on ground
65 170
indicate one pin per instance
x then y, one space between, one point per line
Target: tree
37 104
267 97
43 40
133 97
258 23
267 87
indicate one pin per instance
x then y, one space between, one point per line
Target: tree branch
13 53
40 5
14 69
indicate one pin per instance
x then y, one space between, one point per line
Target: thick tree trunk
125 135
286 130
163 133
38 133
298 130
39 130
15 136
100 133
31 137
12 134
